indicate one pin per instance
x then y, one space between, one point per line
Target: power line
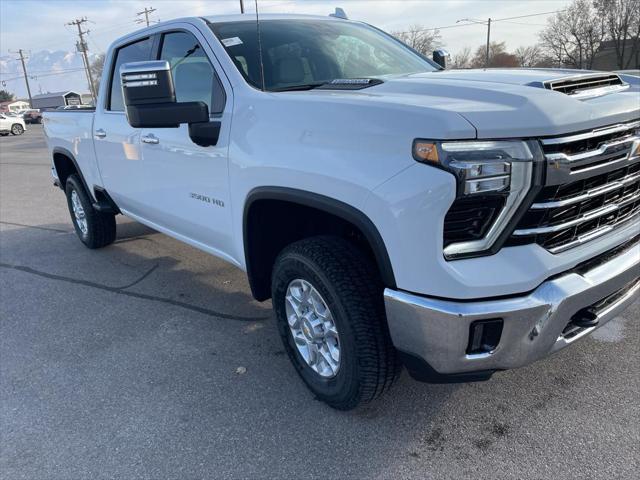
34 77
527 16
32 72
479 22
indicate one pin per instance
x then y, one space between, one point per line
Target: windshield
311 52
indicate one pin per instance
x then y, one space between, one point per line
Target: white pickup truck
395 212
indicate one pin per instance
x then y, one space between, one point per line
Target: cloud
37 25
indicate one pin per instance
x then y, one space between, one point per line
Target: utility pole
26 77
241 6
82 47
146 13
488 24
486 62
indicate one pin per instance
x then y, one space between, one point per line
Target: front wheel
17 129
329 306
95 229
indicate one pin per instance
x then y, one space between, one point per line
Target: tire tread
360 289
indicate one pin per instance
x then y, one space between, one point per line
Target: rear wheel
330 311
17 129
95 229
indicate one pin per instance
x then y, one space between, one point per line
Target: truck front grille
592 188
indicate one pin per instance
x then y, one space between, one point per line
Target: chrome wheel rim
78 213
16 130
313 328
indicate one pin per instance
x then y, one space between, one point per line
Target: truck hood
503 103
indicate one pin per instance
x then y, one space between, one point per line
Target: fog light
484 336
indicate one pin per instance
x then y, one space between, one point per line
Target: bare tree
96 69
462 59
420 39
573 35
529 56
622 27
498 56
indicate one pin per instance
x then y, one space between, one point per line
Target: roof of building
9 102
55 94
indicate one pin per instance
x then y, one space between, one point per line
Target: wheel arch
259 273
65 164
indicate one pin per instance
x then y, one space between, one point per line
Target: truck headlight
496 173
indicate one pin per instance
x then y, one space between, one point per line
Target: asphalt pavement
149 359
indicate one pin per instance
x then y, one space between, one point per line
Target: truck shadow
135 266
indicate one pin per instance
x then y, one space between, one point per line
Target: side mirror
441 57
150 97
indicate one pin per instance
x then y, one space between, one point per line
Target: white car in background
10 124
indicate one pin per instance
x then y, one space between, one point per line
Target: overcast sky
39 24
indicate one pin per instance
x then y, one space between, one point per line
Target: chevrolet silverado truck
395 212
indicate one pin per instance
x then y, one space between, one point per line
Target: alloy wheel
313 328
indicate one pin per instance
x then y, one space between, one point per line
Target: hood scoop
587 86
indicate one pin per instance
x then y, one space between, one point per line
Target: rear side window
135 52
193 76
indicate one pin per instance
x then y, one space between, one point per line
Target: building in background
606 59
48 101
87 99
14 106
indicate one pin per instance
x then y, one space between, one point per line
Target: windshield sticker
230 42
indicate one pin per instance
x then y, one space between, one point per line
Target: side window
193 75
134 52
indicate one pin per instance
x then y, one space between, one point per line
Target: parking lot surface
124 363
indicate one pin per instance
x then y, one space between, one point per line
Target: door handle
100 133
151 138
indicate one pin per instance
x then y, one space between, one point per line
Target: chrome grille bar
601 150
585 217
610 187
592 188
621 127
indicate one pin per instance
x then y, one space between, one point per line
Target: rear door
117 143
185 185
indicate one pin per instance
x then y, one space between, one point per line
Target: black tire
17 129
350 285
100 228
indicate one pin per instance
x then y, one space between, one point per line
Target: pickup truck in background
396 213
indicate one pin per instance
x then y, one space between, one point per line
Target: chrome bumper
437 331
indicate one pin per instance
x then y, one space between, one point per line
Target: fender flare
328 205
70 156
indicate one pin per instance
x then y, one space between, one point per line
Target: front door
187 186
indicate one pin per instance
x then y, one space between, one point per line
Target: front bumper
436 331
